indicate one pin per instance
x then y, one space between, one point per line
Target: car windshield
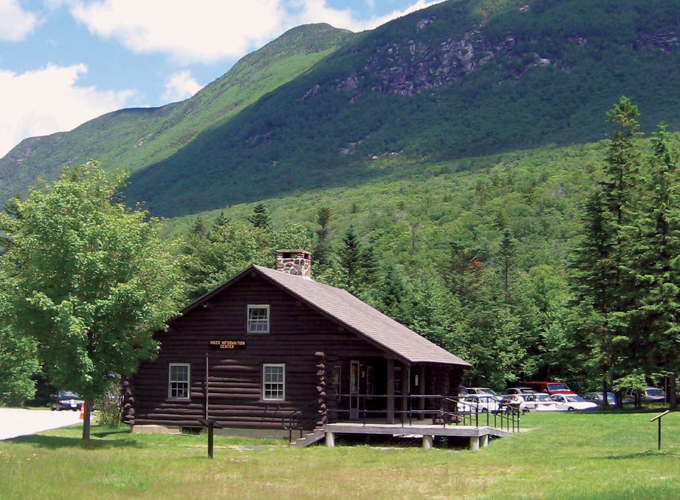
558 387
485 390
68 394
575 399
655 392
543 397
526 390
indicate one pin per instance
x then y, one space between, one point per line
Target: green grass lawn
565 456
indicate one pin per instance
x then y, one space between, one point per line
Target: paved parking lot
16 422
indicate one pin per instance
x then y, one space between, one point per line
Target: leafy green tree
18 364
206 263
89 279
18 359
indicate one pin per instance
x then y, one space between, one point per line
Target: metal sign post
658 419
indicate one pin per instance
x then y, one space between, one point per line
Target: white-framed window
179 377
258 318
274 382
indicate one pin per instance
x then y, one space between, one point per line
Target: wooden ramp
478 435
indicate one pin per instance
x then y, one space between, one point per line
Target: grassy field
565 456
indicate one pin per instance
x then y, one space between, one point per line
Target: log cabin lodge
270 347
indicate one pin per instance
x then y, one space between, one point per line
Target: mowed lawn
565 456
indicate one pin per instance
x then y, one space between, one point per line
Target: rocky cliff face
409 67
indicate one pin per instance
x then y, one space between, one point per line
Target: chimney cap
295 251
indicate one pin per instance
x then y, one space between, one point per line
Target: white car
479 403
539 402
570 402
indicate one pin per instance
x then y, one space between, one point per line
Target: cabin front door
354 375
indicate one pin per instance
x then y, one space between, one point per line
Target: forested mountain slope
136 138
461 79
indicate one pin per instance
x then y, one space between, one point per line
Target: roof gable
352 313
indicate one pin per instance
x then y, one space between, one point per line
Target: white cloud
180 86
378 21
188 32
207 31
47 100
15 23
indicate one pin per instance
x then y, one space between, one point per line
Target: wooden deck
478 436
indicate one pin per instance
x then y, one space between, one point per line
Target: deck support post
421 391
390 391
427 442
405 393
474 444
330 440
484 441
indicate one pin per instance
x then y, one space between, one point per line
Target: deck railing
442 410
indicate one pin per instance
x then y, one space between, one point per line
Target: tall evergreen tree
260 217
657 258
507 253
350 254
595 283
603 284
321 247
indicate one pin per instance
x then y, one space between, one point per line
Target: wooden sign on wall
227 344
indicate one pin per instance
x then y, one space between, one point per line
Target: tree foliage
89 279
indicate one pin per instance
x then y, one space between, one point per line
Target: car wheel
484 410
570 409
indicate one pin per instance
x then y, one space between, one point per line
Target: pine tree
199 229
657 252
369 268
594 280
321 247
603 284
260 217
507 253
350 260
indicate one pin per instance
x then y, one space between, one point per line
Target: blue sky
63 62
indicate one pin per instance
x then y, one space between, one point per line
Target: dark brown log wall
297 332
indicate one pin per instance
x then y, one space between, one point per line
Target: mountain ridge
460 79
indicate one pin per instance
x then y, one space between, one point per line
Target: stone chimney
297 262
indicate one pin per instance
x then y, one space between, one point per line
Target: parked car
539 401
486 391
596 397
482 390
648 395
65 400
570 402
549 387
518 390
482 403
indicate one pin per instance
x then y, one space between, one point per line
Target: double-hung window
258 319
274 382
179 376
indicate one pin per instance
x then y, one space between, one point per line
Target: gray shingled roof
364 320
